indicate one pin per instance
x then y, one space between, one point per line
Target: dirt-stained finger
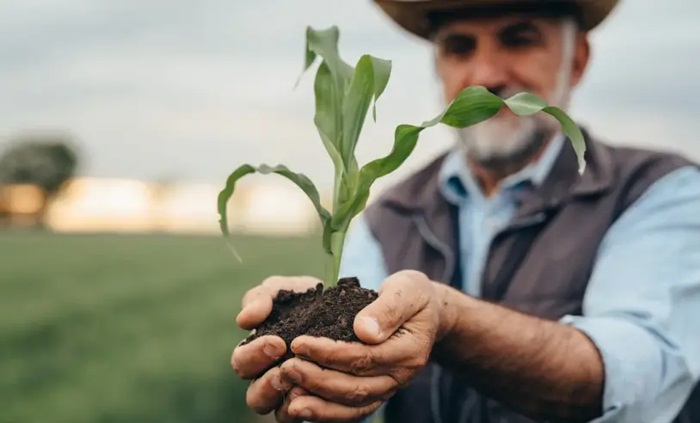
282 413
401 297
314 409
335 386
256 303
251 360
266 393
256 306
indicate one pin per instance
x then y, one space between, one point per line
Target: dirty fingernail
292 374
272 351
276 382
371 325
301 350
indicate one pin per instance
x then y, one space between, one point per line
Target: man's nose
488 69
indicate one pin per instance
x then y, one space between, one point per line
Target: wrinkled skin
336 381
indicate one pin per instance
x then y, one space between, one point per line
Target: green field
111 328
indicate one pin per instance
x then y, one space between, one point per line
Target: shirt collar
457 182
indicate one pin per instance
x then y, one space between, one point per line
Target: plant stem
337 241
330 270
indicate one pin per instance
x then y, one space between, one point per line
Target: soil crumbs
317 312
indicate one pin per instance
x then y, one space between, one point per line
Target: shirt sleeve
362 256
642 306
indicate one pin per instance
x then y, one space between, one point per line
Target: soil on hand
317 312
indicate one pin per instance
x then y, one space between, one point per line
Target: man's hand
255 361
349 381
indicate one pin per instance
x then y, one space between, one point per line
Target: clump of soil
317 312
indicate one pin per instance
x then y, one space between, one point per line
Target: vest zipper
429 236
434 394
440 246
444 249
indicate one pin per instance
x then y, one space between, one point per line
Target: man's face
508 55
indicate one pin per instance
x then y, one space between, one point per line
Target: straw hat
415 15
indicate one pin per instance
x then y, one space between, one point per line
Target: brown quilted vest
539 265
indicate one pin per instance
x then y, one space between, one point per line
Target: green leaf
355 105
328 125
332 80
405 140
525 104
573 132
301 180
471 106
324 43
367 84
309 53
227 192
382 73
336 75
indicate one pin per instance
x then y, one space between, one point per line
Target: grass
108 328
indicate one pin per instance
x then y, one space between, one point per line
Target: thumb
401 297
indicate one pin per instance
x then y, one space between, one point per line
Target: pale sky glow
190 90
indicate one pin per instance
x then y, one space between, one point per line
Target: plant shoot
343 97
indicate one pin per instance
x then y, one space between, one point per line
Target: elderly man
523 292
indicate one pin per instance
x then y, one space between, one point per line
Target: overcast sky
155 89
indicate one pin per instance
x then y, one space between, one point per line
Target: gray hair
569 29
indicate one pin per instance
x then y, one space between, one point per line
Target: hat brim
413 15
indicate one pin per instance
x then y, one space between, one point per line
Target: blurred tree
47 161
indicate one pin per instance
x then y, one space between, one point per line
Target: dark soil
317 312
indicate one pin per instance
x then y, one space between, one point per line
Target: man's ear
582 55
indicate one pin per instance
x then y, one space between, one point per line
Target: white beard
504 143
504 139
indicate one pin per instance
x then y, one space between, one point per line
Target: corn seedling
343 97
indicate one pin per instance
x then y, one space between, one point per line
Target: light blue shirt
642 305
